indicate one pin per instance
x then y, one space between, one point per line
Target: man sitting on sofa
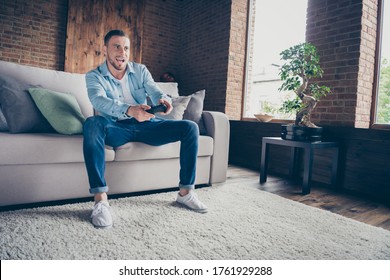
118 90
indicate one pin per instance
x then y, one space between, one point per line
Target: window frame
378 57
249 54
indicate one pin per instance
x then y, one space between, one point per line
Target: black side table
308 160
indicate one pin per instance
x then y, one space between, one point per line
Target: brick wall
237 57
205 49
213 38
366 63
33 32
160 40
344 33
192 40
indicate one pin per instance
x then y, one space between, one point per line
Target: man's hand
138 112
168 104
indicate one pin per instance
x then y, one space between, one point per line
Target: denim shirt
105 92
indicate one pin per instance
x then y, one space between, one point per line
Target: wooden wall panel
90 20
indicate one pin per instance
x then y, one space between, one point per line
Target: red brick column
344 33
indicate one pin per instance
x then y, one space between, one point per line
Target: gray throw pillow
194 110
179 105
20 111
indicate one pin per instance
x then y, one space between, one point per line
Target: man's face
117 52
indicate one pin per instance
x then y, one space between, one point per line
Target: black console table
308 159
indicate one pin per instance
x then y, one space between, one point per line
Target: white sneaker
192 202
101 215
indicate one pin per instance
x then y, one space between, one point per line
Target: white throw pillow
179 105
170 89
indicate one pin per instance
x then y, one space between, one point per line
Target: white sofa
42 167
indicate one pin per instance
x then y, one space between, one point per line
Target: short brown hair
111 33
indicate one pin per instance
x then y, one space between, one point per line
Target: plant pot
301 133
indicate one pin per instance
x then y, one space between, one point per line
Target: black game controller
156 109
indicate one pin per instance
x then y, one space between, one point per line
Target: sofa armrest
218 127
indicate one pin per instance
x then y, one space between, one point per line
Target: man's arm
103 100
155 93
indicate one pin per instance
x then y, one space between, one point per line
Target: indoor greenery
301 66
383 114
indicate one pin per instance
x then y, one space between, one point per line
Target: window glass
383 92
278 25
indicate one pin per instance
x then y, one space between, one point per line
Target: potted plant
302 64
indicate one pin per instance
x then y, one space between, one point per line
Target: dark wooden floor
349 205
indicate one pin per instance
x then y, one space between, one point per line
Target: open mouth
120 60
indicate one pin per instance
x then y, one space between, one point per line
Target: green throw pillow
60 109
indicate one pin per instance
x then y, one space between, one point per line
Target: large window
277 25
382 116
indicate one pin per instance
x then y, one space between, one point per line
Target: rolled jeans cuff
98 190
188 187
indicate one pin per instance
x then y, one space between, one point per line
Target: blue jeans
100 131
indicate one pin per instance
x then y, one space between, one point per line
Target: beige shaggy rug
243 223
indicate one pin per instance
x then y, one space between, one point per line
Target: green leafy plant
383 115
302 65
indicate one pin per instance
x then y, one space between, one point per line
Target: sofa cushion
140 151
60 109
34 148
170 89
20 111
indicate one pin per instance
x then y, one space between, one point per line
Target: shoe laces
98 208
193 198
